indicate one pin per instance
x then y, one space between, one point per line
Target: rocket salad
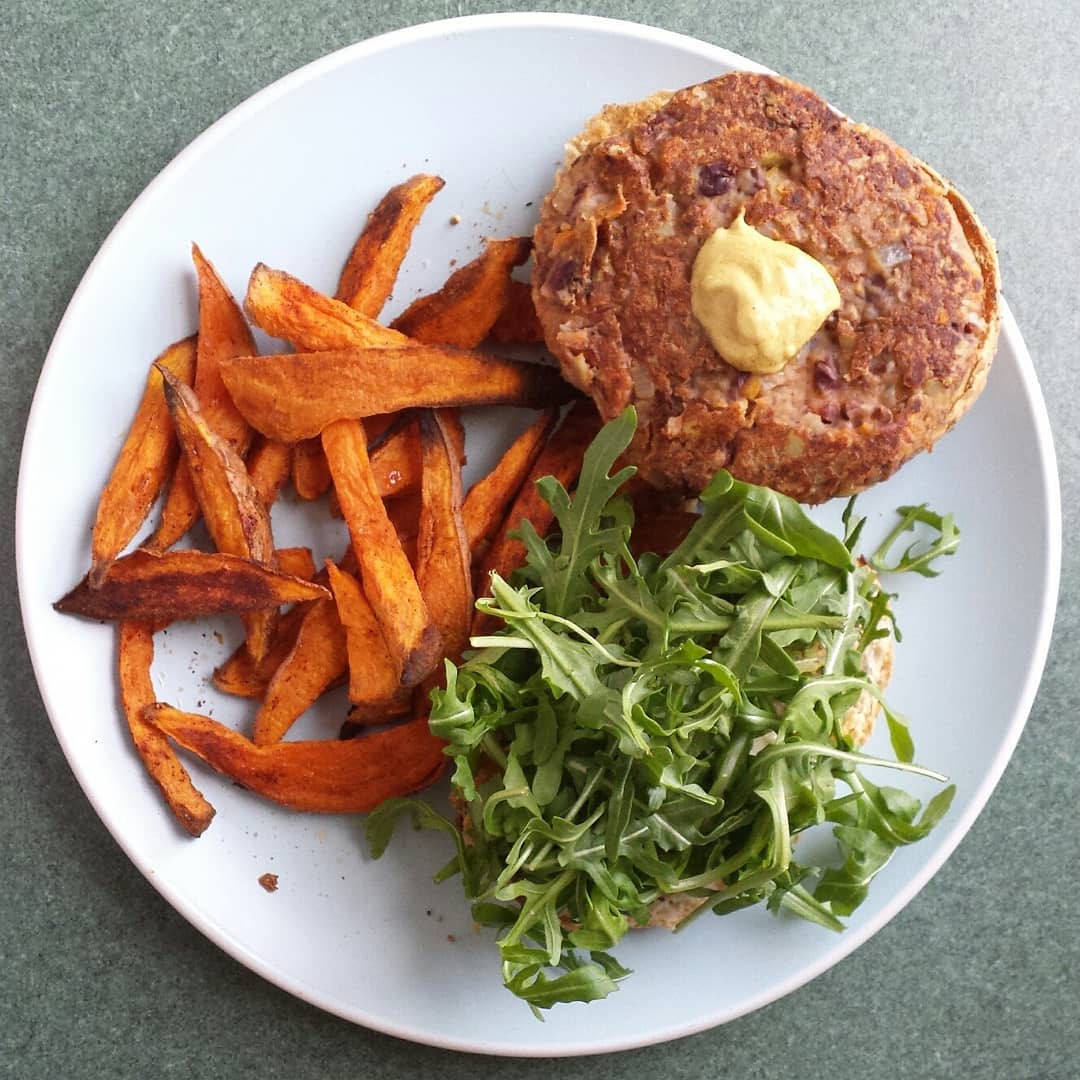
655 727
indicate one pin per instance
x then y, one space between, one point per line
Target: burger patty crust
884 377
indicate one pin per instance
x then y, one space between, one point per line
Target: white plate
288 178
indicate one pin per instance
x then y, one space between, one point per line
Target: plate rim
172 173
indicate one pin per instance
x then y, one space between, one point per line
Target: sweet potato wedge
389 582
287 308
135 655
463 311
316 661
330 776
360 717
489 499
235 515
297 561
310 473
404 514
234 512
269 463
241 675
561 458
223 333
518 323
244 677
395 463
368 276
295 396
143 465
161 587
373 674
180 511
443 565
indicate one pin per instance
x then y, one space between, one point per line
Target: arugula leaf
583 533
916 559
653 727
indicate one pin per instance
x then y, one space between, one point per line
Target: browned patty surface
884 377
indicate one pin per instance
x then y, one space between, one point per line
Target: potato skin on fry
143 465
135 655
166 586
295 396
331 776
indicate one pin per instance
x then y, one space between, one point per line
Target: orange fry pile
361 413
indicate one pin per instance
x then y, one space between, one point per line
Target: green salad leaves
647 728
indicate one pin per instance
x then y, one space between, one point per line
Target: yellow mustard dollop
760 300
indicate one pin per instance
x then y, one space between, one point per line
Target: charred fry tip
420 660
171 384
194 824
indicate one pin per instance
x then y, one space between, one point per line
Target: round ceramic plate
287 178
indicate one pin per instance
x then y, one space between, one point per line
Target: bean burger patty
888 373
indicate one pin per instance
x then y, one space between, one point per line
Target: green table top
100 978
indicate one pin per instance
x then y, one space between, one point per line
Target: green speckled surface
100 978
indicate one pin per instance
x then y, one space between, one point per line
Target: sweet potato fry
223 333
489 499
395 463
443 566
234 513
135 655
233 510
244 677
316 661
332 776
463 311
517 323
389 582
404 515
268 464
368 276
161 587
143 465
287 308
310 473
297 561
561 458
295 396
180 512
373 674
451 422
361 717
